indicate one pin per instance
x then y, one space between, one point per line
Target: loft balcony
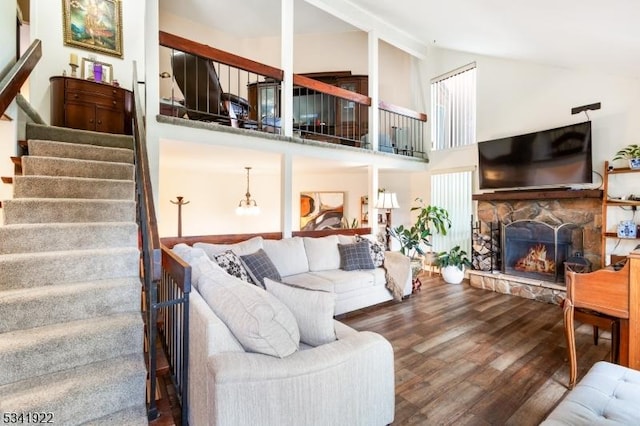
202 83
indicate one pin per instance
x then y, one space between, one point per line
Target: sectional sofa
275 355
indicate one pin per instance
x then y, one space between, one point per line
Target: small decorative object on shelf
73 63
632 153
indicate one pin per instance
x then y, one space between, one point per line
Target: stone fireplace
539 231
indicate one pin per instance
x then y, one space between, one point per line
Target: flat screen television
556 157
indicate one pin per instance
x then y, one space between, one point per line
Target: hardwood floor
467 356
470 356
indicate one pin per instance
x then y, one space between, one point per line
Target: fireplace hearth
538 250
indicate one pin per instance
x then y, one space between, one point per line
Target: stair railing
166 292
17 74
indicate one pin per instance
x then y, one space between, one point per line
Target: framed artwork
93 25
321 210
88 70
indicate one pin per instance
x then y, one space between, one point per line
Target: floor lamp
387 201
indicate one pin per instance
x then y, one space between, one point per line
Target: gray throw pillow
232 265
312 309
259 266
355 256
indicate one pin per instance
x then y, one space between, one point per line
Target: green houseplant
630 152
452 264
430 220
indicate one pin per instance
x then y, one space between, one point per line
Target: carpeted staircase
71 330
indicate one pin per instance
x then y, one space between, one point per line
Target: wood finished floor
465 356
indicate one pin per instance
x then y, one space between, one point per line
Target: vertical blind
453 108
453 191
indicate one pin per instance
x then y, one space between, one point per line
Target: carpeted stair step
72 187
28 270
40 306
37 237
56 347
43 148
67 210
134 416
63 134
82 394
51 166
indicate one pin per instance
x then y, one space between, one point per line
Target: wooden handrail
18 74
421 116
319 86
189 46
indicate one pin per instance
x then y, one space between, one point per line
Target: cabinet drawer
92 89
116 103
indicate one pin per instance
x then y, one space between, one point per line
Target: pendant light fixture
247 206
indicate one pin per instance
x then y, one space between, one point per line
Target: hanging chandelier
247 206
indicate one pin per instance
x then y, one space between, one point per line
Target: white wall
8 129
213 196
517 97
46 25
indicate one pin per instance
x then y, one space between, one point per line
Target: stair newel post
180 203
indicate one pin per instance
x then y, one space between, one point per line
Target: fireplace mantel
537 194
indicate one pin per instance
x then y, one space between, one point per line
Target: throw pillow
322 253
259 266
244 247
355 256
259 321
232 265
376 249
288 255
312 309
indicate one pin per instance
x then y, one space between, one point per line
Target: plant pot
452 275
634 163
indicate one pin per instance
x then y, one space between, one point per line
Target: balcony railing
212 85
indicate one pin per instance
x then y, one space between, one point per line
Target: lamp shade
387 200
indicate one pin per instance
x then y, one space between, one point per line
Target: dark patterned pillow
259 267
376 249
231 263
355 256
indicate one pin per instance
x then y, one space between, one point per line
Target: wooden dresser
87 105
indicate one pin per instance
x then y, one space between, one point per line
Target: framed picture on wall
93 25
321 210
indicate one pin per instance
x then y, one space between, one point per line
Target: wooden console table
88 105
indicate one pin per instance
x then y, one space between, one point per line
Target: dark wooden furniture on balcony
317 115
88 105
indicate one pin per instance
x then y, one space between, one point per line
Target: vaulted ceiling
585 34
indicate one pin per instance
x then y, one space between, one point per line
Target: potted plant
415 239
452 264
631 153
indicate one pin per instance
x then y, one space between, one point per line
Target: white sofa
315 263
349 380
609 394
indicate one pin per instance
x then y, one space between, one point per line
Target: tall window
453 108
453 192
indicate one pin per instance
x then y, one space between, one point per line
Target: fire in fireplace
536 261
538 250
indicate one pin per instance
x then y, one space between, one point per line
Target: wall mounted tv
554 157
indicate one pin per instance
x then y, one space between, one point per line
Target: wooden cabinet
339 117
609 230
87 105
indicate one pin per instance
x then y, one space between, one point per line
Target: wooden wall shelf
536 194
